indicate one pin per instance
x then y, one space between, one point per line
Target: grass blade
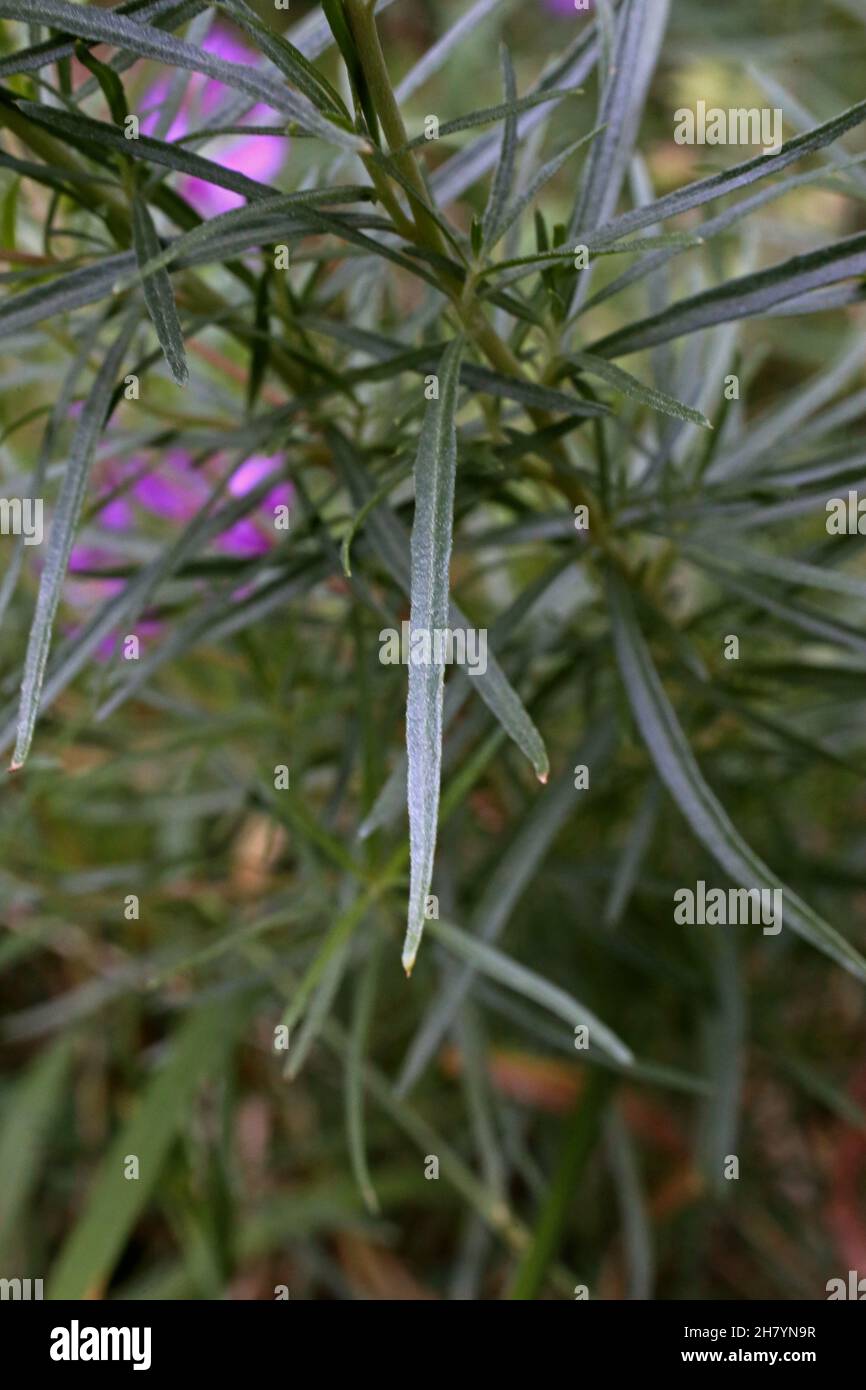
87 1259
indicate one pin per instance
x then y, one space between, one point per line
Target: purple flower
174 490
568 7
258 156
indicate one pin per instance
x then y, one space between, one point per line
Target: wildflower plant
301 367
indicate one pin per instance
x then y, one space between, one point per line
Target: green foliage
397 321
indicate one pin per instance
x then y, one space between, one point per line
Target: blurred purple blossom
258 156
175 490
567 7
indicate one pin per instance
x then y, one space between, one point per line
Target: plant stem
362 20
366 35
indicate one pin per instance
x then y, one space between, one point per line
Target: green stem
366 35
361 16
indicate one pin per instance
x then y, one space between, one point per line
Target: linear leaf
41 55
70 291
718 185
260 218
435 469
83 130
639 32
62 534
794 615
470 164
362 1015
799 572
503 175
492 685
90 1253
488 114
500 967
289 59
536 183
629 385
477 378
741 298
88 22
709 821
158 293
29 1109
503 890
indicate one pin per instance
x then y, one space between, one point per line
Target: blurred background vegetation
154 1036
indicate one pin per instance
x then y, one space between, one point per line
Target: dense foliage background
169 904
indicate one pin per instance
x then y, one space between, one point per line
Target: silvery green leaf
158 293
435 469
676 765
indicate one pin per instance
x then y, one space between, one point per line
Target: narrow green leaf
503 890
568 71
92 1250
740 558
107 26
109 82
62 534
341 29
581 1135
289 59
84 131
718 185
535 185
488 114
796 615
69 291
492 685
639 32
742 298
359 1036
435 469
503 176
505 971
262 218
29 1109
158 293
41 55
670 751
629 385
